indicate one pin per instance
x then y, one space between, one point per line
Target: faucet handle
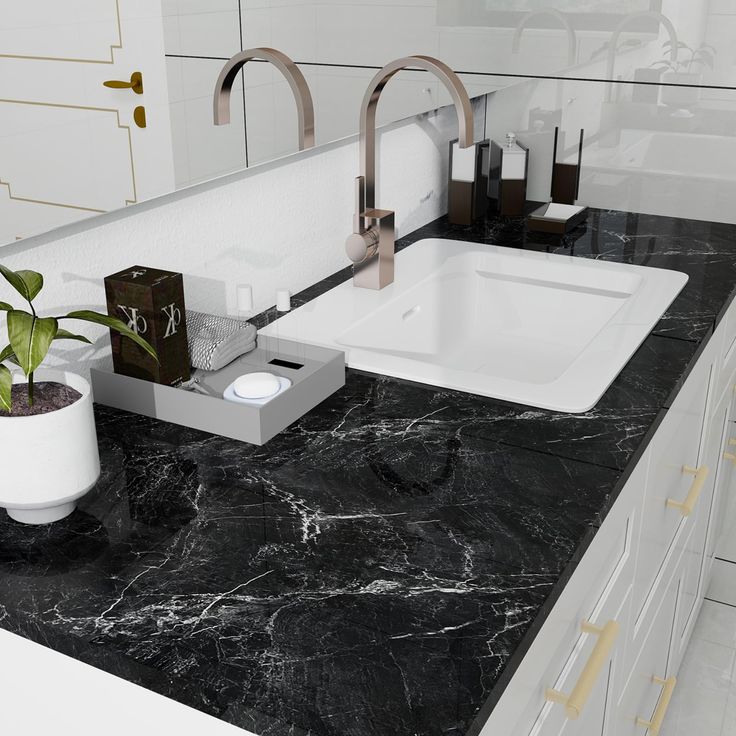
361 246
358 218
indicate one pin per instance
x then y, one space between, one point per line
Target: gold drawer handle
687 506
135 84
668 687
575 702
730 455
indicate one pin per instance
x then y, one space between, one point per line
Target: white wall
282 225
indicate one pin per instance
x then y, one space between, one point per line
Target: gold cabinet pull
668 687
687 506
730 455
135 84
575 701
139 116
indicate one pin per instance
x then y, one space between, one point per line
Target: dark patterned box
150 302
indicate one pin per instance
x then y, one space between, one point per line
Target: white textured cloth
216 341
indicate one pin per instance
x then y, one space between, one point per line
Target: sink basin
545 330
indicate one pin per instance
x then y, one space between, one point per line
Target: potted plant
685 71
47 428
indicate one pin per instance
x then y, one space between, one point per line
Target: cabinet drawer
608 615
604 642
674 478
598 591
645 696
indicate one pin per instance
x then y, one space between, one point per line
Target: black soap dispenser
507 176
466 193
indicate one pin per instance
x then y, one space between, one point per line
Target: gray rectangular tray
321 373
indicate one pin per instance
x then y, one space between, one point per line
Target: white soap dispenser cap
283 300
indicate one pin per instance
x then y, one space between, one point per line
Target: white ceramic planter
50 460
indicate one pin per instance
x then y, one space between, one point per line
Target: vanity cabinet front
605 661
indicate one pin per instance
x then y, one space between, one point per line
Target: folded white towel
216 341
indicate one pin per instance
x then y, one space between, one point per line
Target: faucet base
377 271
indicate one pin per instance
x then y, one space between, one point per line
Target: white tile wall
201 27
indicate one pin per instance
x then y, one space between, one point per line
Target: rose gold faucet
572 40
296 80
371 246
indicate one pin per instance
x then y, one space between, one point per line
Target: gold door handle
687 506
575 702
668 687
135 84
730 455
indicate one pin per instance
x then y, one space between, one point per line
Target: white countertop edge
44 692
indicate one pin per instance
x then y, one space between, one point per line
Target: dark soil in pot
47 397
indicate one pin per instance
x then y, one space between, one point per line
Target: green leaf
7 353
66 335
30 338
6 386
5 307
26 283
114 324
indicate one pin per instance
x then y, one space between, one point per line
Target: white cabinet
646 569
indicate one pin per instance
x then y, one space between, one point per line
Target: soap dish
557 218
229 393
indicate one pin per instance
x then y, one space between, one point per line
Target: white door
71 147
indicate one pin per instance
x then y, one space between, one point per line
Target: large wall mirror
104 103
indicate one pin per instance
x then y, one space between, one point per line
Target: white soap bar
256 385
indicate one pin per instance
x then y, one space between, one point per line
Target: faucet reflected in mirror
572 40
296 80
371 246
621 27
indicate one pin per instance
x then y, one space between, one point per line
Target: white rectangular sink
545 330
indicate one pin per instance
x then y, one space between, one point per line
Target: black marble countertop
379 568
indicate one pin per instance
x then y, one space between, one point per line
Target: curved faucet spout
454 86
618 30
572 39
372 245
296 80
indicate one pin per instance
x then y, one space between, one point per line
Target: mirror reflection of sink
545 330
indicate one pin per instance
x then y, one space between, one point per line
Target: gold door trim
6 184
111 60
78 107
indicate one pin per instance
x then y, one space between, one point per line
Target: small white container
50 460
283 300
